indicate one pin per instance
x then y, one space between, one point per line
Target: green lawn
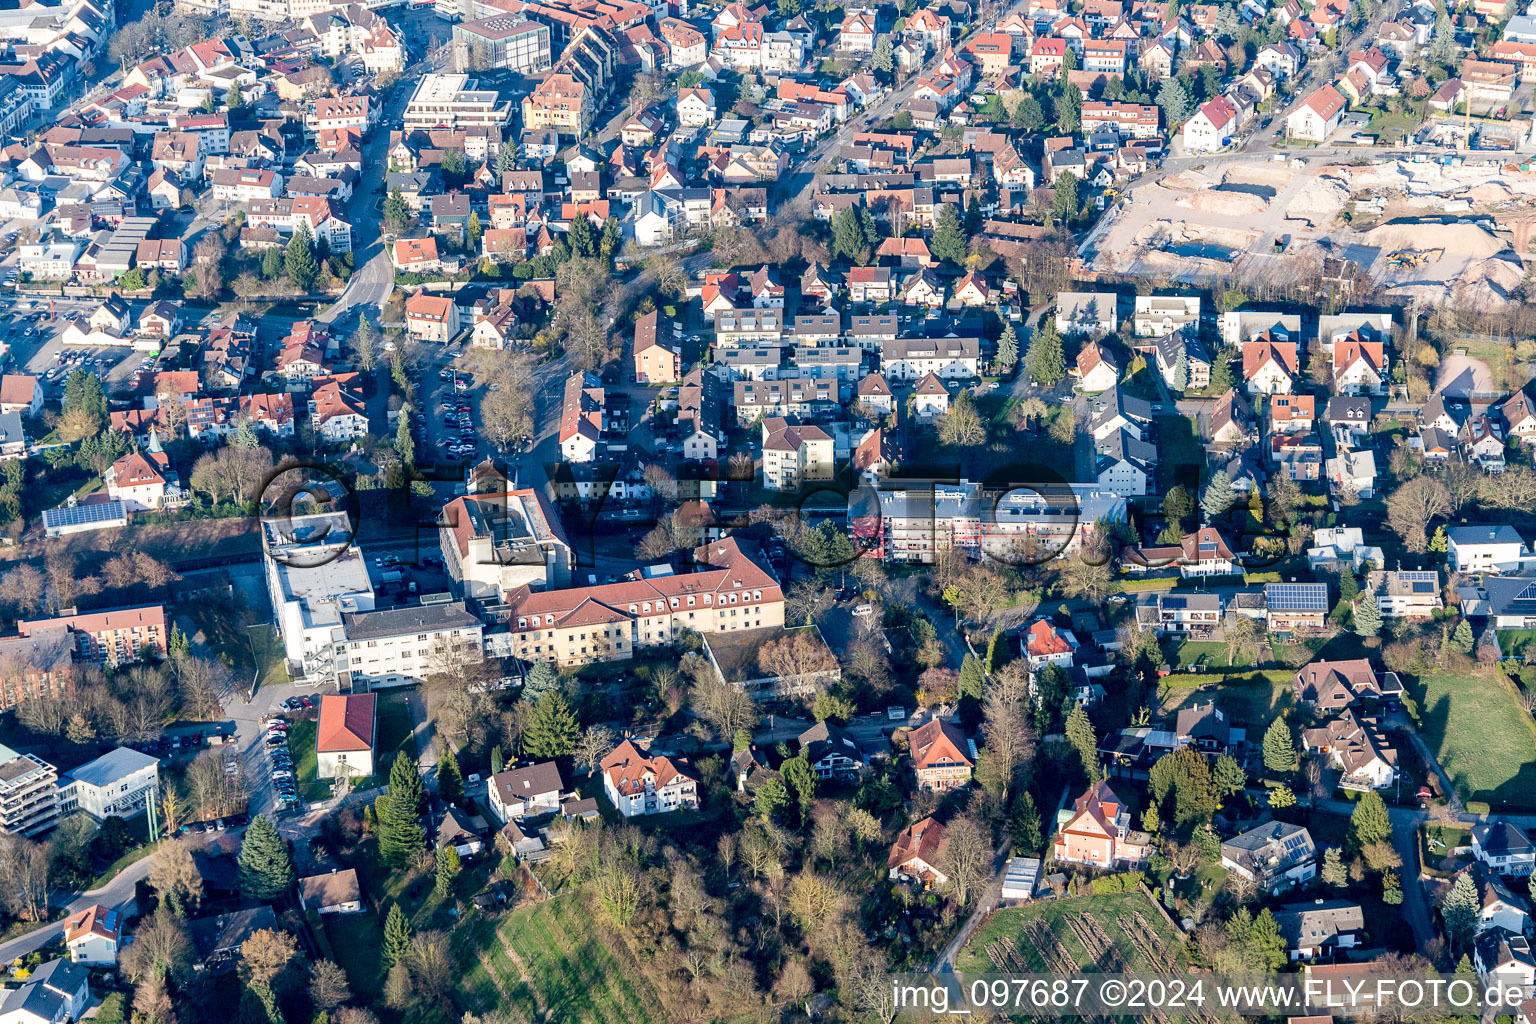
1150 943
1204 653
1435 845
268 652
355 940
1482 737
1512 640
574 972
111 1010
1251 700
1180 451
301 743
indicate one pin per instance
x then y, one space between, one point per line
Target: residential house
92 935
1503 848
832 751
1357 748
529 791
1096 370
1276 855
920 854
1098 832
637 784
1330 685
1320 927
1156 315
335 892
942 757
345 736
55 992
1045 644
1405 593
1487 549
1090 313
1290 607
1269 365
1317 117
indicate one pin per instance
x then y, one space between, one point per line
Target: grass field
1482 737
1100 933
573 972
1251 700
355 941
268 652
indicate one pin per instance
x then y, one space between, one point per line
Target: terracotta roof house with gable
942 757
919 854
137 481
416 255
1316 118
345 737
1096 371
637 784
1269 365
1044 644
1330 685
1099 832
20 392
91 935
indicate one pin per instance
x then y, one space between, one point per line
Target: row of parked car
284 784
216 825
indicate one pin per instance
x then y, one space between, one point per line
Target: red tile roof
346 723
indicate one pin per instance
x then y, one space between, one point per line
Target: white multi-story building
639 785
1157 315
402 646
29 797
116 784
452 102
315 575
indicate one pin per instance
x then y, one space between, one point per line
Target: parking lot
32 331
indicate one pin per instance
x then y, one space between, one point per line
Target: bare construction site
1440 234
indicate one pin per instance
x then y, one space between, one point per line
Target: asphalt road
117 894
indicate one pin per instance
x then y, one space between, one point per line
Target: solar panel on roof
81 515
1311 597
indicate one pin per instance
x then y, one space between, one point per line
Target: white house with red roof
91 935
1044 645
139 480
637 784
920 853
857 34
345 737
1317 117
1211 127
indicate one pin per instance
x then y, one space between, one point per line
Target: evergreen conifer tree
265 869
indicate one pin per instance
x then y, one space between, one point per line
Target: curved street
118 894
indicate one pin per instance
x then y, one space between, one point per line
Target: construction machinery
1413 257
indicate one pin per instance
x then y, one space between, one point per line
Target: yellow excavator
1413 257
